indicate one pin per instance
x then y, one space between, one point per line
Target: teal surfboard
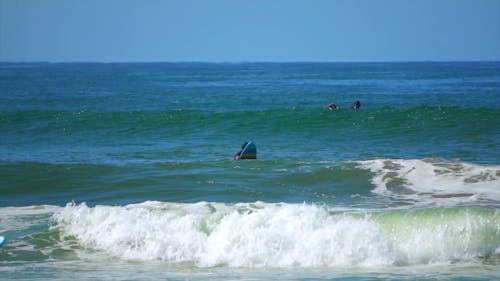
249 152
2 240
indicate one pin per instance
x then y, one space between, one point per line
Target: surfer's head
356 104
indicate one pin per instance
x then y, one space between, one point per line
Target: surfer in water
356 105
238 155
332 106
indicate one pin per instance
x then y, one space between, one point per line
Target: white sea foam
21 218
277 235
434 180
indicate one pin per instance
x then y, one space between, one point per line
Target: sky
249 30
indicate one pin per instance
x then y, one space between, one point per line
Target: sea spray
281 235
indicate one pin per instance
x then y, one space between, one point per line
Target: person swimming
356 105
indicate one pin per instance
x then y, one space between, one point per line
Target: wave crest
434 180
281 235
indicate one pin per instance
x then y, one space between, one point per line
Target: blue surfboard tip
3 239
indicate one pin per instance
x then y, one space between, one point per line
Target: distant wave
296 118
192 134
418 182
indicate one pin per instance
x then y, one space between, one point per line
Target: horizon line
246 62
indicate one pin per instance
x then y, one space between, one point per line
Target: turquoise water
124 171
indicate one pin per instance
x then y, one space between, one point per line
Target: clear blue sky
249 30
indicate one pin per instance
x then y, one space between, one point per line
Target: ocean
124 171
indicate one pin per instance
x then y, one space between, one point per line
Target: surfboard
2 240
249 152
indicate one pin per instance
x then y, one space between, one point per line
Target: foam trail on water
280 235
434 180
21 218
